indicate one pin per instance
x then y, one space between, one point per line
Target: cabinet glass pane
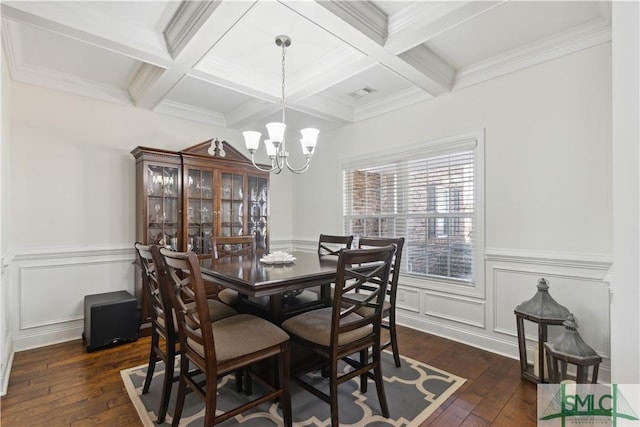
258 210
194 185
194 212
237 187
170 212
207 185
170 182
162 205
232 205
226 187
154 180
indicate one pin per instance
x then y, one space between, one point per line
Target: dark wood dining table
254 279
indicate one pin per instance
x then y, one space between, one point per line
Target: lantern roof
542 306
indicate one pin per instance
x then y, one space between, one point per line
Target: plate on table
275 258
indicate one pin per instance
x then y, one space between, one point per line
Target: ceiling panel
200 94
62 54
217 62
507 27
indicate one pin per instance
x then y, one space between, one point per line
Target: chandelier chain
283 79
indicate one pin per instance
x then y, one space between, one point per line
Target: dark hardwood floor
63 385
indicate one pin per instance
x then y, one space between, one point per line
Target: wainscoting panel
49 289
408 299
587 299
576 282
54 294
457 309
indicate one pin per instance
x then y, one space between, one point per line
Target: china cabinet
185 198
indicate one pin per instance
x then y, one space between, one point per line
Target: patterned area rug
413 392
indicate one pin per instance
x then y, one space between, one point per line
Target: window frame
430 148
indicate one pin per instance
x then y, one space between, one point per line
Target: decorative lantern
570 348
545 311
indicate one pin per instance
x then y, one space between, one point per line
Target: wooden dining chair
221 347
331 245
163 327
159 305
389 306
232 246
338 332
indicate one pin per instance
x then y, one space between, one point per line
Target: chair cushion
315 326
368 311
217 310
240 335
228 296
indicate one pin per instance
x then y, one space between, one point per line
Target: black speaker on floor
109 319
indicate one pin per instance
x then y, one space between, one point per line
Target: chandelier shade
276 145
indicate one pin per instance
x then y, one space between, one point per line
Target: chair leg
168 382
364 359
394 339
210 400
182 391
377 374
247 383
155 338
333 393
284 372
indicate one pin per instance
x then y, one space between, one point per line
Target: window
428 195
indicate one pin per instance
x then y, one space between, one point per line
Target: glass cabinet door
199 215
162 205
231 205
258 211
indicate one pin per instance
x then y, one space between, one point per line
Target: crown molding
391 103
189 112
581 37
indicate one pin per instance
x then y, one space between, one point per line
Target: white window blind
428 198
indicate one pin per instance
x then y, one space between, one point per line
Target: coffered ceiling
217 62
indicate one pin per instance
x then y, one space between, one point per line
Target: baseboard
7 351
502 347
45 338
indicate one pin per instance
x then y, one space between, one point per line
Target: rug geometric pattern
413 392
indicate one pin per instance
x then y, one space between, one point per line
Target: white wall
548 203
5 335
625 316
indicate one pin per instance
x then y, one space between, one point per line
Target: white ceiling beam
421 21
326 19
363 15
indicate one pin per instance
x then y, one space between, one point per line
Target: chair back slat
348 280
158 301
190 302
332 245
374 242
224 246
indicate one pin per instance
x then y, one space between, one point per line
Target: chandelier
275 145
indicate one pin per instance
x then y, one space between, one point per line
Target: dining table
274 283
